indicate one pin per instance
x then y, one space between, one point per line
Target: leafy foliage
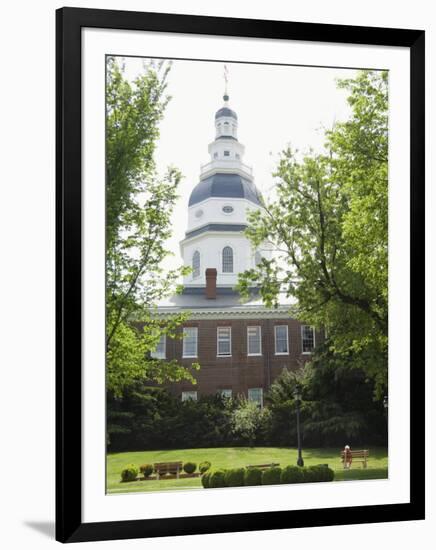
249 421
129 473
189 467
217 479
205 480
139 207
234 477
328 227
146 469
338 404
271 476
252 476
292 474
151 418
204 466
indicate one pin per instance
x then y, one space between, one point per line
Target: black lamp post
297 397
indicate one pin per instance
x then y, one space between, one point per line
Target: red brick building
240 346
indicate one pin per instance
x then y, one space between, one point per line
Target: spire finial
226 81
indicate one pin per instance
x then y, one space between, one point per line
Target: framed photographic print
240 274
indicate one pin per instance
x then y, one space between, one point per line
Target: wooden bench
163 468
264 466
357 456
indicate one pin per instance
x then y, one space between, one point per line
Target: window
226 153
189 396
257 258
226 394
256 395
254 341
227 260
307 339
224 341
196 264
215 155
281 339
159 353
227 209
190 341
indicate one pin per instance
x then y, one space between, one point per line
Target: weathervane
226 80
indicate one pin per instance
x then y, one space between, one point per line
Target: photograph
246 225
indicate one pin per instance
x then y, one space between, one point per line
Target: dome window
227 209
196 265
226 153
199 213
227 259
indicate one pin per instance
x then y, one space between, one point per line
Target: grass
233 457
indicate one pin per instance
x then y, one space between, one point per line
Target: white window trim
218 354
261 396
275 340
194 276
193 393
221 393
222 260
164 356
307 352
184 356
260 341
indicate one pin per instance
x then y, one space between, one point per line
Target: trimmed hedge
129 473
271 476
205 480
292 474
239 477
204 466
252 476
217 479
189 467
234 477
146 469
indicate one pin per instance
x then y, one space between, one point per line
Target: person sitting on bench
347 457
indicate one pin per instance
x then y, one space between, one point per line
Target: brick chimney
211 274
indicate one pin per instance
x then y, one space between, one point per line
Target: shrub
204 466
130 473
253 476
234 477
146 469
217 479
311 474
189 467
271 476
329 474
205 479
292 474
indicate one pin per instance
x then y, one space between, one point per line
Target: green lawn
232 457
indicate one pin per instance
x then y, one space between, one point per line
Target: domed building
241 346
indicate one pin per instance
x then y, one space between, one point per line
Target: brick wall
239 372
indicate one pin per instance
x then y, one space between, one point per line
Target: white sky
276 106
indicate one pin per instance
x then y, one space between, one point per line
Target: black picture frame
69 23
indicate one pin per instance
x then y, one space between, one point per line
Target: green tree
139 207
328 226
249 421
337 406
